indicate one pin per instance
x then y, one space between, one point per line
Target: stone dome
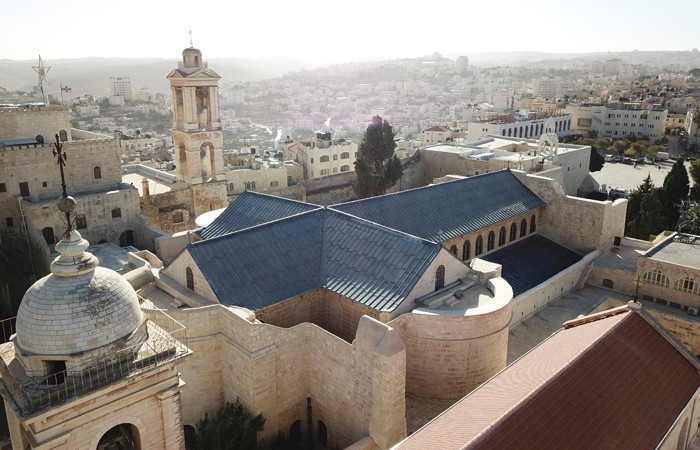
78 307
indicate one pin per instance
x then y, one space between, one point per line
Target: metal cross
61 155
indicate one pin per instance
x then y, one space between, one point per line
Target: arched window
491 242
687 284
504 132
655 277
177 217
321 434
479 246
502 236
335 157
80 222
521 132
345 168
63 136
513 231
324 158
190 279
453 250
48 235
97 173
252 185
533 225
440 278
607 283
344 155
295 432
230 187
531 129
523 227
116 212
466 250
39 138
190 436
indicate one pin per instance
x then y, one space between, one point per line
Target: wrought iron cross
61 155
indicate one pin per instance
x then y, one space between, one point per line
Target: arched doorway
190 437
126 238
124 436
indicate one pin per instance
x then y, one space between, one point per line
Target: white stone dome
78 307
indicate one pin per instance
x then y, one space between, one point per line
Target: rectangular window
9 222
44 184
3 188
24 189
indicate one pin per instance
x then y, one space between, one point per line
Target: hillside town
169 257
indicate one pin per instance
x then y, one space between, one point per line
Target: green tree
651 151
695 175
377 167
232 428
650 218
676 186
634 202
596 162
690 221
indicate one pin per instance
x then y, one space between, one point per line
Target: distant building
508 126
122 87
322 155
435 135
619 121
462 65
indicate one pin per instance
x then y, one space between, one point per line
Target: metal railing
161 346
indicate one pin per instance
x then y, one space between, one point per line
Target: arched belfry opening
124 436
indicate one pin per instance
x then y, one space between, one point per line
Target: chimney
145 192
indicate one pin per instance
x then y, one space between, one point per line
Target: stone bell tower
197 134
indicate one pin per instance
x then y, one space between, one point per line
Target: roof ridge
384 227
260 225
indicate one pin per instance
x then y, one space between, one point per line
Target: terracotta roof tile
614 382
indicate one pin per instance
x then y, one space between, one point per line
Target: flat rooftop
681 249
135 179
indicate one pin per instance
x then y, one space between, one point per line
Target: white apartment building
121 87
323 155
462 65
618 123
529 128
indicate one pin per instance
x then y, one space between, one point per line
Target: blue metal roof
532 261
448 210
264 265
251 209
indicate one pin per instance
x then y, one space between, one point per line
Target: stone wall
450 353
27 123
355 389
36 166
577 223
177 270
675 275
328 190
484 233
332 312
268 181
531 301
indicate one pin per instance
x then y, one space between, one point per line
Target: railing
8 328
166 341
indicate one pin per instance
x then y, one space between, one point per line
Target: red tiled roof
612 382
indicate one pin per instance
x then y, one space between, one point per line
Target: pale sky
332 31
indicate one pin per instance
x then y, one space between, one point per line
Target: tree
649 221
377 167
690 221
676 186
651 151
596 162
232 428
695 175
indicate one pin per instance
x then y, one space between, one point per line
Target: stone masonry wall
675 274
177 270
274 371
30 122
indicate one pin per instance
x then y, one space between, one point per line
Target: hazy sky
333 31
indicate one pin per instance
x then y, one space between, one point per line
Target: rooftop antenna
42 71
191 46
